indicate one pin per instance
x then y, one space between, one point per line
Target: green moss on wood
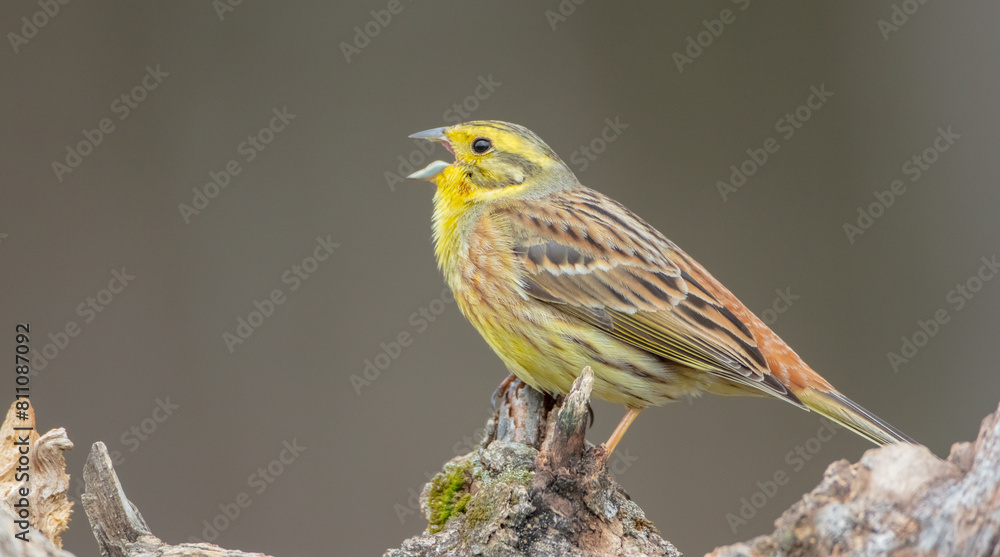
448 495
482 508
463 503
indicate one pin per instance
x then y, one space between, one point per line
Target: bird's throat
455 214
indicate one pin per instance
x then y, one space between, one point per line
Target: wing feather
593 259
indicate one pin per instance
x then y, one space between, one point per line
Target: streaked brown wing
592 258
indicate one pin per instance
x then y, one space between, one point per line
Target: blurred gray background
201 77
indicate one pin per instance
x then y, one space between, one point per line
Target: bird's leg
619 431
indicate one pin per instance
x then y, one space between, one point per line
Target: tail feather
851 415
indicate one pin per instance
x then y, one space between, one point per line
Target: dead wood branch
898 500
119 528
535 487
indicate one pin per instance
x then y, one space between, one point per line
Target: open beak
430 171
436 134
434 168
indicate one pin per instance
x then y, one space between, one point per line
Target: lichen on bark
534 487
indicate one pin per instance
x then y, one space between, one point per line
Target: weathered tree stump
898 500
534 487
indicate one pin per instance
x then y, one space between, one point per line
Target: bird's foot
501 390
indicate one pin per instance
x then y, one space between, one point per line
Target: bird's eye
481 145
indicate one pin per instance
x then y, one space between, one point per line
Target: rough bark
535 487
898 500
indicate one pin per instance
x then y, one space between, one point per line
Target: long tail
851 415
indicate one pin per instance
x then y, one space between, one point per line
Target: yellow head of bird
495 160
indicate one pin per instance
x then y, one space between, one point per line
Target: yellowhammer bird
557 276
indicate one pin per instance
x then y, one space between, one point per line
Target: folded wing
593 259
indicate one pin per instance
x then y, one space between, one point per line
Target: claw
501 390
